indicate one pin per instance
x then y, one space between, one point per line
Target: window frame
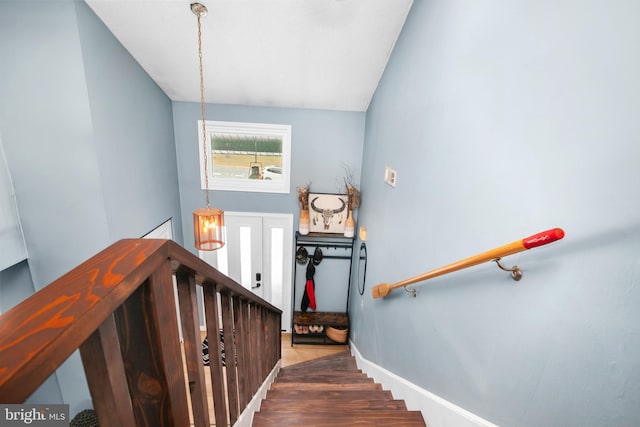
245 129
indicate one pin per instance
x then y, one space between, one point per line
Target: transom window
246 156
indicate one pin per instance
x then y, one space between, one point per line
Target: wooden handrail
118 308
536 240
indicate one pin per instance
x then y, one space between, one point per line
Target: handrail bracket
411 291
516 273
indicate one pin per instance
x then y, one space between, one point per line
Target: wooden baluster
215 362
106 378
148 330
266 344
193 348
278 322
239 313
253 338
230 351
270 334
274 352
259 347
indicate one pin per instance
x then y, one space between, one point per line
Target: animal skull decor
328 212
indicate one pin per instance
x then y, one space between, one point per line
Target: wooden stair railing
118 308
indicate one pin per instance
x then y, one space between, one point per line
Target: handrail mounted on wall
494 254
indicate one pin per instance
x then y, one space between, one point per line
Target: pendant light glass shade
208 228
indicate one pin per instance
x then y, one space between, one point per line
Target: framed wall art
327 212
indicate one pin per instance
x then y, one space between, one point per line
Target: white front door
258 255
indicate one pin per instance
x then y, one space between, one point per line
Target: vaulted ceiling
320 54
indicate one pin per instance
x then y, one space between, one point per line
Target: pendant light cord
202 111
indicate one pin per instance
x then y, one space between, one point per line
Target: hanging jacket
309 296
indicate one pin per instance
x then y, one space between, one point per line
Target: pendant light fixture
208 222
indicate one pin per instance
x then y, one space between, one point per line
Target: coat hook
516 273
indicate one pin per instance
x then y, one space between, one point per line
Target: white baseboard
246 418
437 412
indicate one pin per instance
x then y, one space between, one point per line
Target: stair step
325 386
310 417
315 395
328 405
298 371
326 377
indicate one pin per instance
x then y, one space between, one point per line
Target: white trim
13 247
246 418
163 231
437 412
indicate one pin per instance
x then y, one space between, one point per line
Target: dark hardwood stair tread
325 386
321 405
315 395
326 378
343 418
328 366
318 369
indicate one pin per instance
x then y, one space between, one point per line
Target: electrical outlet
390 176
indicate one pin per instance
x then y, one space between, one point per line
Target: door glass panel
245 257
277 263
222 259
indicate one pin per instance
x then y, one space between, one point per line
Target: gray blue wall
89 145
322 144
503 119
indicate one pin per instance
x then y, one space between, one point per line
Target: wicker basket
337 335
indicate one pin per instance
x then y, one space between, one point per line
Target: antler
313 205
344 205
335 211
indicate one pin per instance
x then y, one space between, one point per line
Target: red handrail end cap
543 238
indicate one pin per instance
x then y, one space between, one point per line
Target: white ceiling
322 54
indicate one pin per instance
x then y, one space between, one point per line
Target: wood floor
303 352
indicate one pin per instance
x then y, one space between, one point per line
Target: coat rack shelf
311 327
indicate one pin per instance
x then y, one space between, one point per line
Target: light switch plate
390 176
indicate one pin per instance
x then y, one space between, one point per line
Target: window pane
237 156
277 264
245 256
